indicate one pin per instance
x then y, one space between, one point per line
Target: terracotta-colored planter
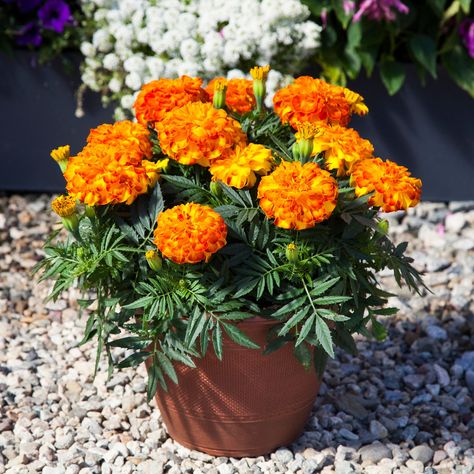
247 405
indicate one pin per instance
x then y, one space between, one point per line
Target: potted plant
231 247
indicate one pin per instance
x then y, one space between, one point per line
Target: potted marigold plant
231 247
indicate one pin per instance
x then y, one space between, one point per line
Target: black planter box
37 104
429 129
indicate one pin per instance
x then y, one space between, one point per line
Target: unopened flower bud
306 132
292 253
65 207
259 75
220 88
215 188
383 227
61 156
154 260
89 211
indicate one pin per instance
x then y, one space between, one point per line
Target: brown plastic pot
247 405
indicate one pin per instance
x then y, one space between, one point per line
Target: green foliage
427 36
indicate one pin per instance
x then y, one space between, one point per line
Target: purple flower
26 6
348 6
380 9
54 15
29 35
466 31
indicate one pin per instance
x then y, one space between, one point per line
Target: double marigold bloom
111 168
313 100
197 133
190 233
157 98
239 169
298 196
393 186
239 97
341 147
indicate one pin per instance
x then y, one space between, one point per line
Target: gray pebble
422 453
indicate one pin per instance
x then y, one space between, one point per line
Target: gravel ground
402 406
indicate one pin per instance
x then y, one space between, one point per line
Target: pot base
246 405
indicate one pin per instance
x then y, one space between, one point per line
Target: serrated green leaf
140 303
239 337
290 307
294 320
329 300
378 330
324 336
320 288
309 323
167 366
217 341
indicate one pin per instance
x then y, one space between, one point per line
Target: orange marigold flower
240 168
190 233
312 100
239 96
393 186
298 196
356 102
158 97
130 135
111 168
342 147
199 133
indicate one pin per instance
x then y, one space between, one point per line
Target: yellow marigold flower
312 100
298 196
356 102
240 168
61 153
341 147
239 97
393 186
64 206
190 233
260 73
111 168
157 98
199 133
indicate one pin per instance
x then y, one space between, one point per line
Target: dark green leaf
393 75
239 337
167 366
423 48
378 330
320 360
460 67
217 341
303 354
324 336
329 300
294 320
153 376
305 329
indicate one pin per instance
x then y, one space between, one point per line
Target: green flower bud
154 260
292 253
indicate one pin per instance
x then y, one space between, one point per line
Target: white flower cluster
136 41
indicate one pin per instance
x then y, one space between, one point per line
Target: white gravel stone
411 392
